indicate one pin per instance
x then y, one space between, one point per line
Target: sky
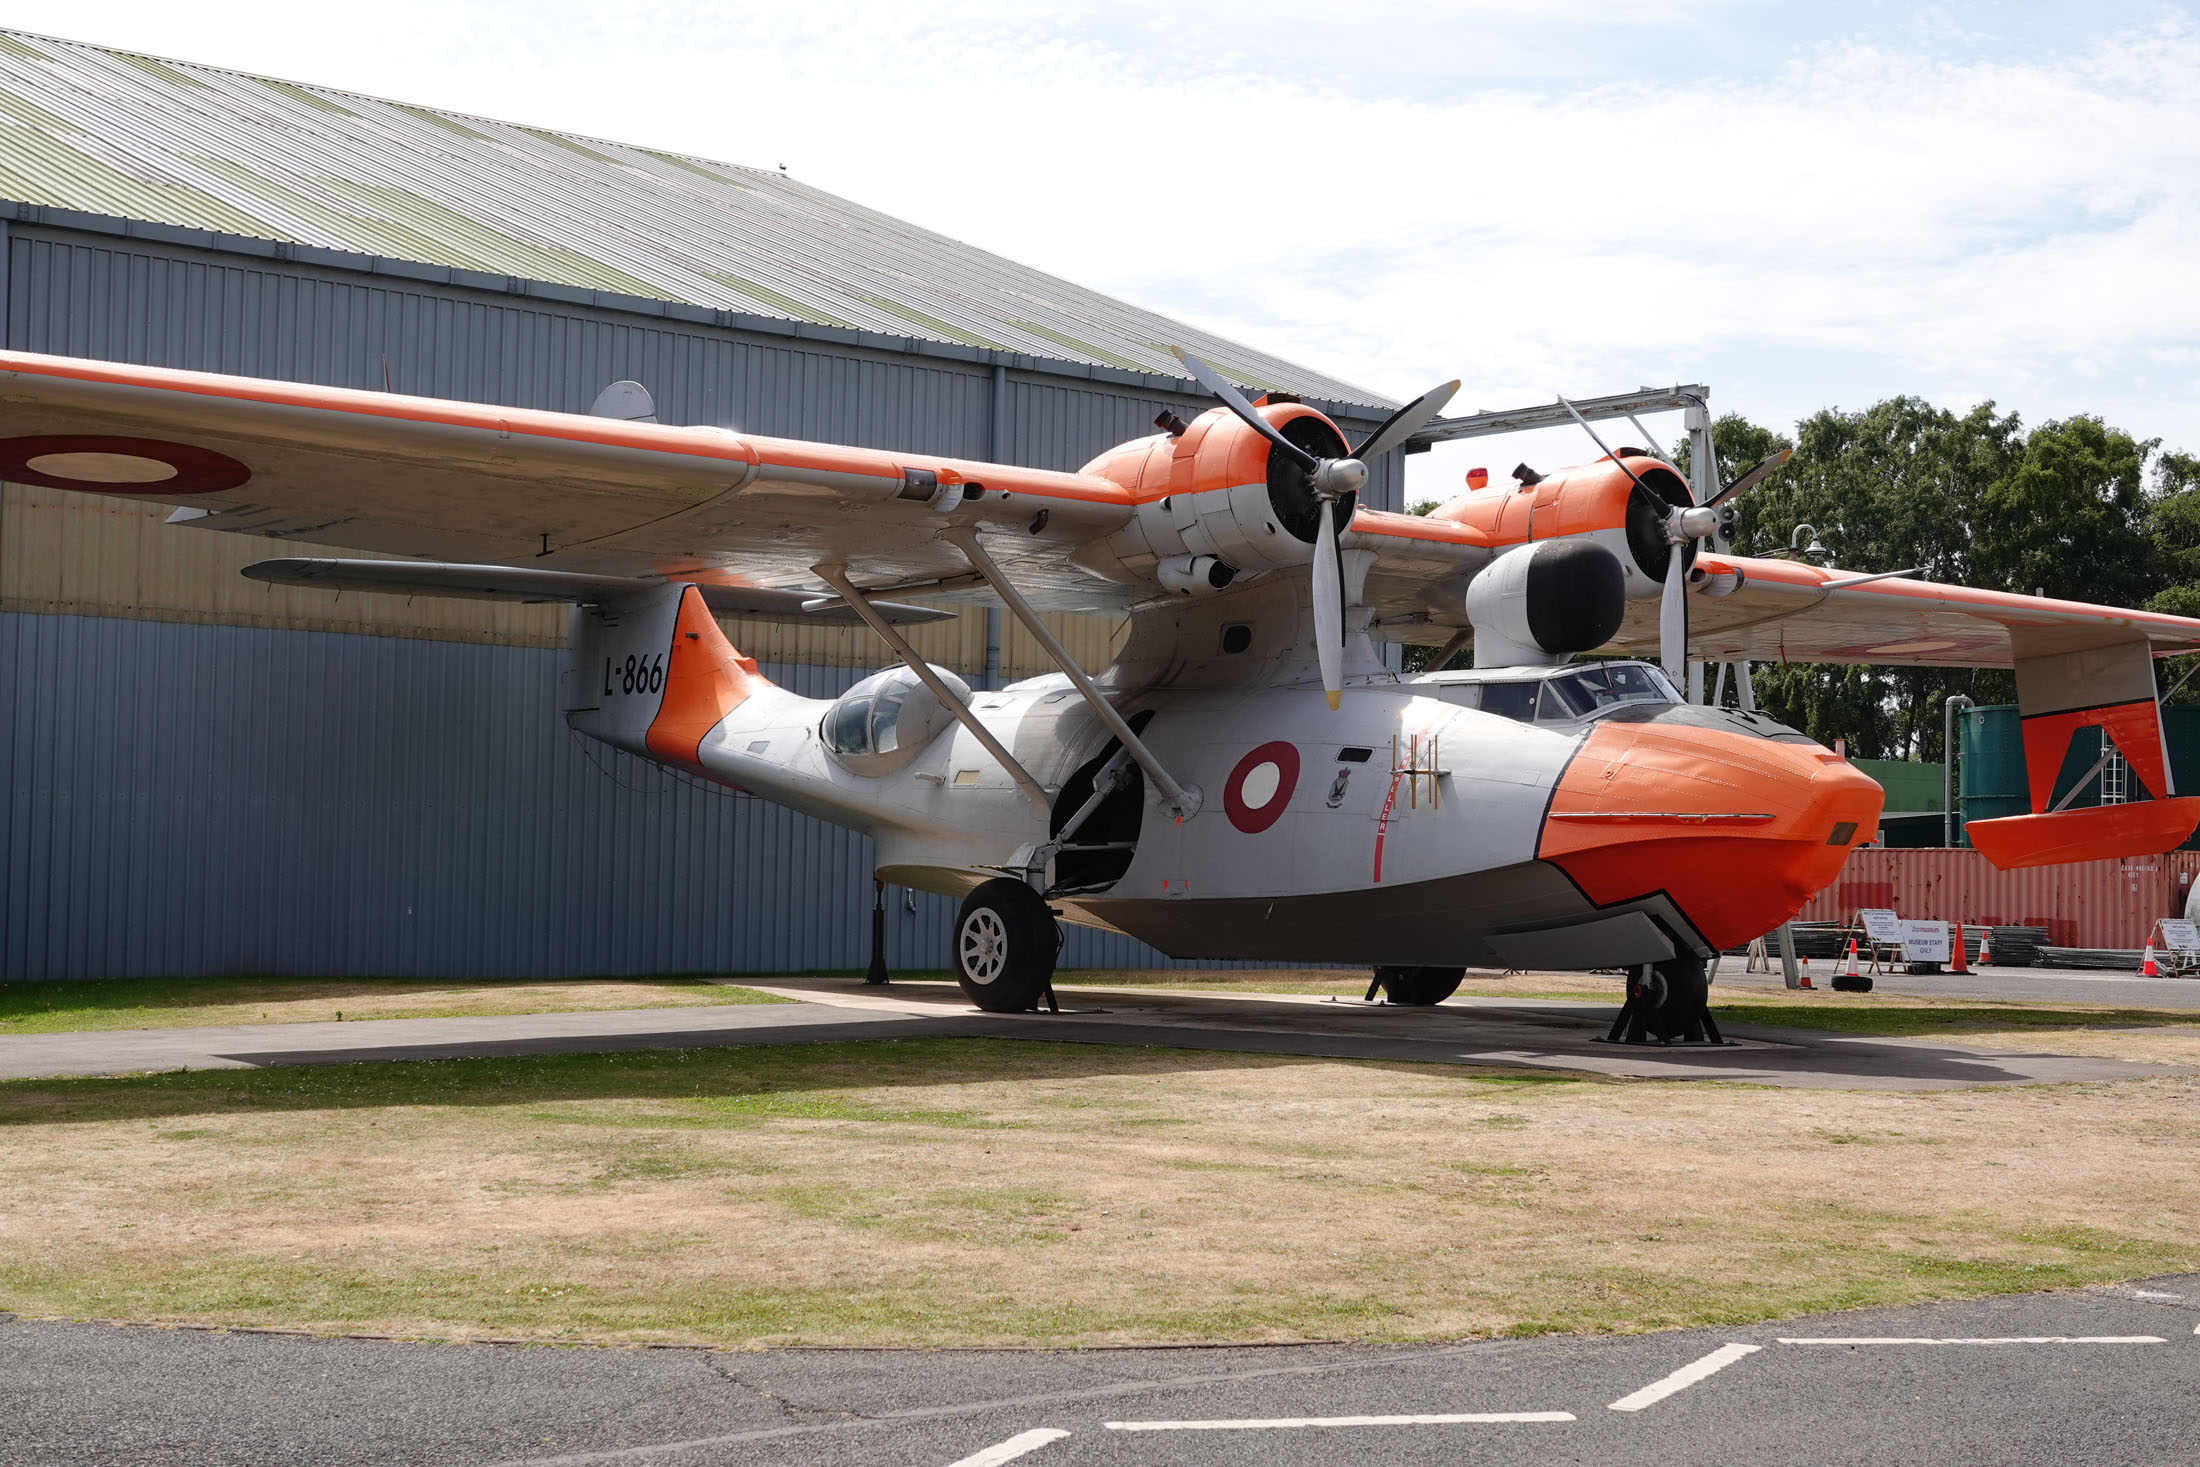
1801 205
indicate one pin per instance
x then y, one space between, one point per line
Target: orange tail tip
705 679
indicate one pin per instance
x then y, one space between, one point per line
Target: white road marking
2153 1294
1290 1423
1014 1447
2002 1340
1683 1378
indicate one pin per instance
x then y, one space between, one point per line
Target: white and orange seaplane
1248 779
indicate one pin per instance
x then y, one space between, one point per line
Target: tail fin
652 673
2060 693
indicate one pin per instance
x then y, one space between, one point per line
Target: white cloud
1962 204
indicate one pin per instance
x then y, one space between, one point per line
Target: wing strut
837 577
1183 799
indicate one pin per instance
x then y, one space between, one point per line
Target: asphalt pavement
2019 985
2105 1377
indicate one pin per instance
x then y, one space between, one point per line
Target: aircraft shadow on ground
788 1066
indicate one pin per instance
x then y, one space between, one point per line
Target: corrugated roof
111 132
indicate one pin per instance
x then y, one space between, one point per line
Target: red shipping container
2086 904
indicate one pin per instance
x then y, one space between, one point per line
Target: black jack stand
1627 1025
877 973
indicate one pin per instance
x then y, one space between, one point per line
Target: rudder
653 674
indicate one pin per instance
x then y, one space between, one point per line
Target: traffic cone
2146 964
1851 971
1985 946
1806 983
1958 966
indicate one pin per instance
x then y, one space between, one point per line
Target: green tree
2173 523
1969 499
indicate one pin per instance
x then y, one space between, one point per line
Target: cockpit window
1561 702
1609 684
1562 697
1510 700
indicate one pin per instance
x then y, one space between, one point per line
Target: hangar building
205 774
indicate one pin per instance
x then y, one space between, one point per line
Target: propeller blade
1749 480
1673 616
1329 607
1406 422
1235 401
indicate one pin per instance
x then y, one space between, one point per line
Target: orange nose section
1740 832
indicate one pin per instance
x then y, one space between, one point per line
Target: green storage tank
1990 776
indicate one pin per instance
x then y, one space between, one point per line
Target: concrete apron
1538 1034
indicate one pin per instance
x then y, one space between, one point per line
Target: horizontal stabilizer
523 583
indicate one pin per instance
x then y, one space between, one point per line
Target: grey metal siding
203 800
180 308
188 799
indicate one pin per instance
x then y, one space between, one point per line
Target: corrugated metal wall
2086 904
195 799
205 775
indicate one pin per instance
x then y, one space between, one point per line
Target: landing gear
1667 1001
1421 987
1005 944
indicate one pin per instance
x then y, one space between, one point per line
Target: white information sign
2182 936
1924 942
1881 925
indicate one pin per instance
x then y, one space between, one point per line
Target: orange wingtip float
2147 828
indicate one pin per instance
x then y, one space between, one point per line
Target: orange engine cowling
1594 499
1219 489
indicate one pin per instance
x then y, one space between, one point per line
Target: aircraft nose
1738 831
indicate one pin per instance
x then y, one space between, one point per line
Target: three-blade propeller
1332 481
1682 526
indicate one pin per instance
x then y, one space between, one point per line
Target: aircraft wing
1790 611
465 482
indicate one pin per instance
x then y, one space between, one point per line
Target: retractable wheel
1421 986
1005 944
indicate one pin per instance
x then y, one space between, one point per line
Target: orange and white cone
1851 971
2147 969
1806 974
1985 946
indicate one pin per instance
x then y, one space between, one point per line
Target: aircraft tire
1422 987
1005 941
1680 996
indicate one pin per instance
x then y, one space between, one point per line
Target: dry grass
966 1192
190 1003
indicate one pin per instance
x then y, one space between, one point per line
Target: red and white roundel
105 464
1260 787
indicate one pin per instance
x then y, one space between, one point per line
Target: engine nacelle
1595 500
1217 490
1536 606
